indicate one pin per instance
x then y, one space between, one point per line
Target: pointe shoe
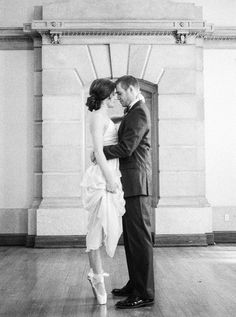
90 277
98 286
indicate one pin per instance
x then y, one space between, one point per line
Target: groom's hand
93 158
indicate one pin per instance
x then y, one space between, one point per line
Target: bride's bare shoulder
97 119
97 115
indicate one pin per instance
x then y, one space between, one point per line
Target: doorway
150 93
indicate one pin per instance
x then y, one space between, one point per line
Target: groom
133 151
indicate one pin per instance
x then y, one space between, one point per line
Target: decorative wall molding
222 38
54 37
13 32
22 37
180 29
15 39
221 33
139 26
180 38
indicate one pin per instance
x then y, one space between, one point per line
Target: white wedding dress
105 208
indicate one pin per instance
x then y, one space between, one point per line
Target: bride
101 187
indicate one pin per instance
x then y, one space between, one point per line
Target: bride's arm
117 119
97 127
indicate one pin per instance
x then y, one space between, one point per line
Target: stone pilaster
37 146
183 208
63 137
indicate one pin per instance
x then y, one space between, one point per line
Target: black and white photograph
117 158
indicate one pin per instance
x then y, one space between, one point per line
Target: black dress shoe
121 291
134 302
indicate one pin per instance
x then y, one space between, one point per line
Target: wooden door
150 94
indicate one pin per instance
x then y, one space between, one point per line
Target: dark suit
133 150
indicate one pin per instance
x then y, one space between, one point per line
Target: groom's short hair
126 81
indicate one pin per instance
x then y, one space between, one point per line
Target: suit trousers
138 246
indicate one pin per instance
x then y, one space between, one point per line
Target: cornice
116 27
63 28
17 33
221 33
180 29
15 39
55 29
13 32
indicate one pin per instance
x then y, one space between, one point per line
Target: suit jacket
133 151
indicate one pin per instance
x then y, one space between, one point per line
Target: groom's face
125 96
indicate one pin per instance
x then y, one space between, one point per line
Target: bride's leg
95 261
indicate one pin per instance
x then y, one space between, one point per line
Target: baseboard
158 240
225 236
161 240
30 241
210 238
60 241
13 239
180 240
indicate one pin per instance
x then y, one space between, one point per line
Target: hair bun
92 103
100 89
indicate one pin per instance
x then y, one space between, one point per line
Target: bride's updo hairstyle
99 90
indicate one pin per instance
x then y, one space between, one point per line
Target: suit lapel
127 115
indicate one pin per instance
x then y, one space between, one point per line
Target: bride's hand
111 187
93 158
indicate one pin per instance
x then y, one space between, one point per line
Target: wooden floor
198 281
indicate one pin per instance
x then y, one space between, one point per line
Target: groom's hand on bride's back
93 158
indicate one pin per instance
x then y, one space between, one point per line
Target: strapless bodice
110 136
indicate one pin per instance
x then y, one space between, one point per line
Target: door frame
153 89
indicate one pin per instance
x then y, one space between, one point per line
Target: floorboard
192 281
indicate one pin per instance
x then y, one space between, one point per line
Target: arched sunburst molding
88 62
